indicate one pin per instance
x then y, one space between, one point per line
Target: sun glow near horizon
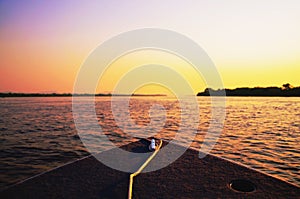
147 57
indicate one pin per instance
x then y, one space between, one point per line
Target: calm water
38 134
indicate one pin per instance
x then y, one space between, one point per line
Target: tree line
287 90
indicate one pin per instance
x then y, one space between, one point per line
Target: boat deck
187 177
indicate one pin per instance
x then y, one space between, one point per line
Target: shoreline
11 95
158 95
287 91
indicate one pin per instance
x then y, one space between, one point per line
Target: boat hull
187 177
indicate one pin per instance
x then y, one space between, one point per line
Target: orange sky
43 44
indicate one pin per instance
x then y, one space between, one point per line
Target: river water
38 134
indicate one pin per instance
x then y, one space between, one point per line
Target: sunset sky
44 43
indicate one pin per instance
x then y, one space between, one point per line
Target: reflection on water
39 133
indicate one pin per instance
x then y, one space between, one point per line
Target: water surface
38 134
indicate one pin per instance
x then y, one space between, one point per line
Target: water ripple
39 133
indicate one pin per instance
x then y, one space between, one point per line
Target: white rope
140 170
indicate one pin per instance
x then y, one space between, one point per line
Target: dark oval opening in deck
241 185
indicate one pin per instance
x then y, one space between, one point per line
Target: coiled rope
140 170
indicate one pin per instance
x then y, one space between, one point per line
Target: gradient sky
43 43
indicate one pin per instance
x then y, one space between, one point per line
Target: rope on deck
140 170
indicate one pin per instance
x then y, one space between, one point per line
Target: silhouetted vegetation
35 94
286 90
9 94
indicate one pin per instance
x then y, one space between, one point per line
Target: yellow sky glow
128 62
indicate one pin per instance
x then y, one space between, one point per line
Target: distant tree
287 86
